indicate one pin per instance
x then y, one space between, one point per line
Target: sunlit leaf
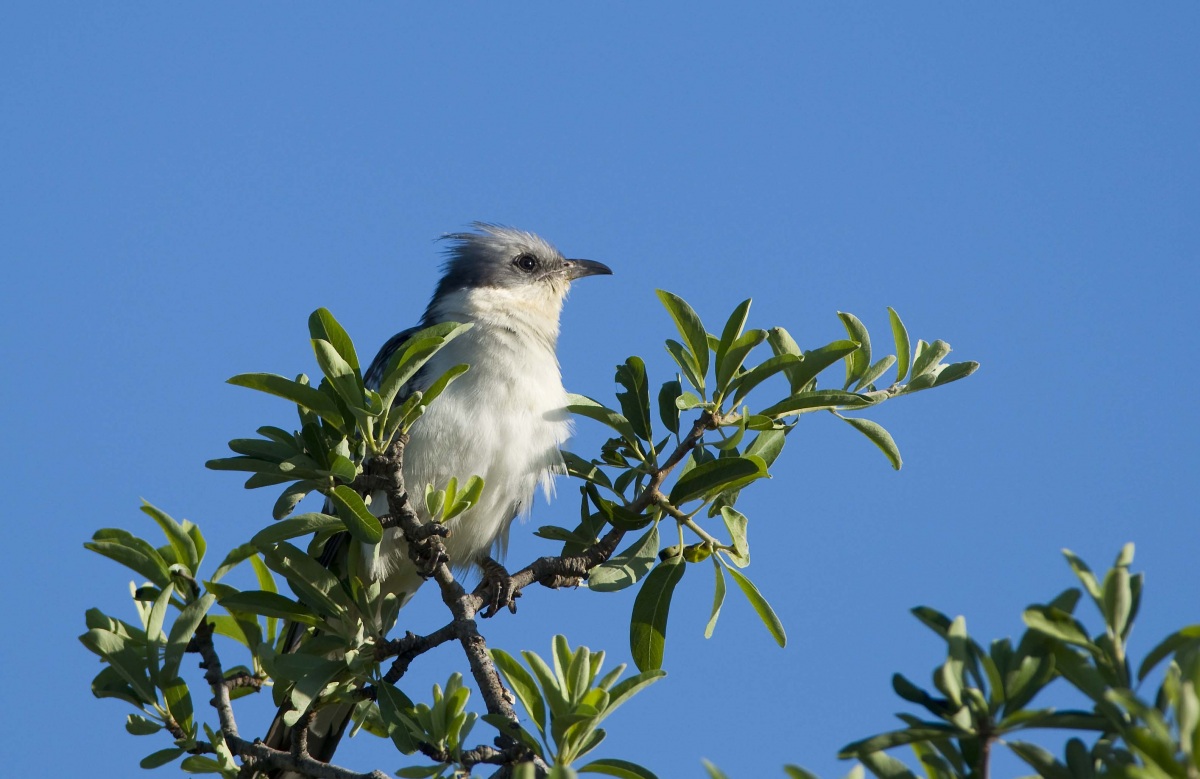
877 435
718 598
627 567
363 526
761 607
858 361
690 328
301 394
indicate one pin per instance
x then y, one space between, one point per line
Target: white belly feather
503 420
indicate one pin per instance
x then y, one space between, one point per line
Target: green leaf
238 555
796 772
955 371
729 363
885 766
1085 575
878 436
201 764
635 400
412 356
395 708
667 410
290 498
875 371
301 394
582 469
467 497
523 686
126 658
648 627
131 552
627 688
323 326
161 757
179 702
182 631
138 725
270 604
1058 624
926 732
687 363
421 771
816 400
903 348
743 383
858 361
622 769
1167 647
363 526
928 356
158 613
623 569
299 525
345 380
717 475
718 598
1117 601
761 607
735 523
593 409
767 445
312 582
177 536
268 472
317 674
817 360
733 329
1040 760
690 328
781 342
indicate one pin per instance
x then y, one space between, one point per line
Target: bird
504 420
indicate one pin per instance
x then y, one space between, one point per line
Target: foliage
656 472
985 697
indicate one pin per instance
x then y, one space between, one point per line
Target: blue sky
181 185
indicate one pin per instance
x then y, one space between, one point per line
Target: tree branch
555 571
256 753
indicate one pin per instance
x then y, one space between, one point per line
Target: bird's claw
499 590
429 555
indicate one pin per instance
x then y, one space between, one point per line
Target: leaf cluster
743 422
673 487
342 421
566 700
984 697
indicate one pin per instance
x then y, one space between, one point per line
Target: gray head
509 259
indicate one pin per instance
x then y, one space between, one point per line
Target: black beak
577 269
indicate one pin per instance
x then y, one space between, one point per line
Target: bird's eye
526 262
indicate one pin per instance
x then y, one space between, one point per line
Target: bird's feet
428 550
499 591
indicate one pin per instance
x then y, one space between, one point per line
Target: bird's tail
326 729
324 733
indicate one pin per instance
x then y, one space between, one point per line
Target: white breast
503 420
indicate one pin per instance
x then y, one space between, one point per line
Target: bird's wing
323 738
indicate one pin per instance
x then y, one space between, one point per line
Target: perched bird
503 420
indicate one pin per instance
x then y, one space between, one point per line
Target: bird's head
509 268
